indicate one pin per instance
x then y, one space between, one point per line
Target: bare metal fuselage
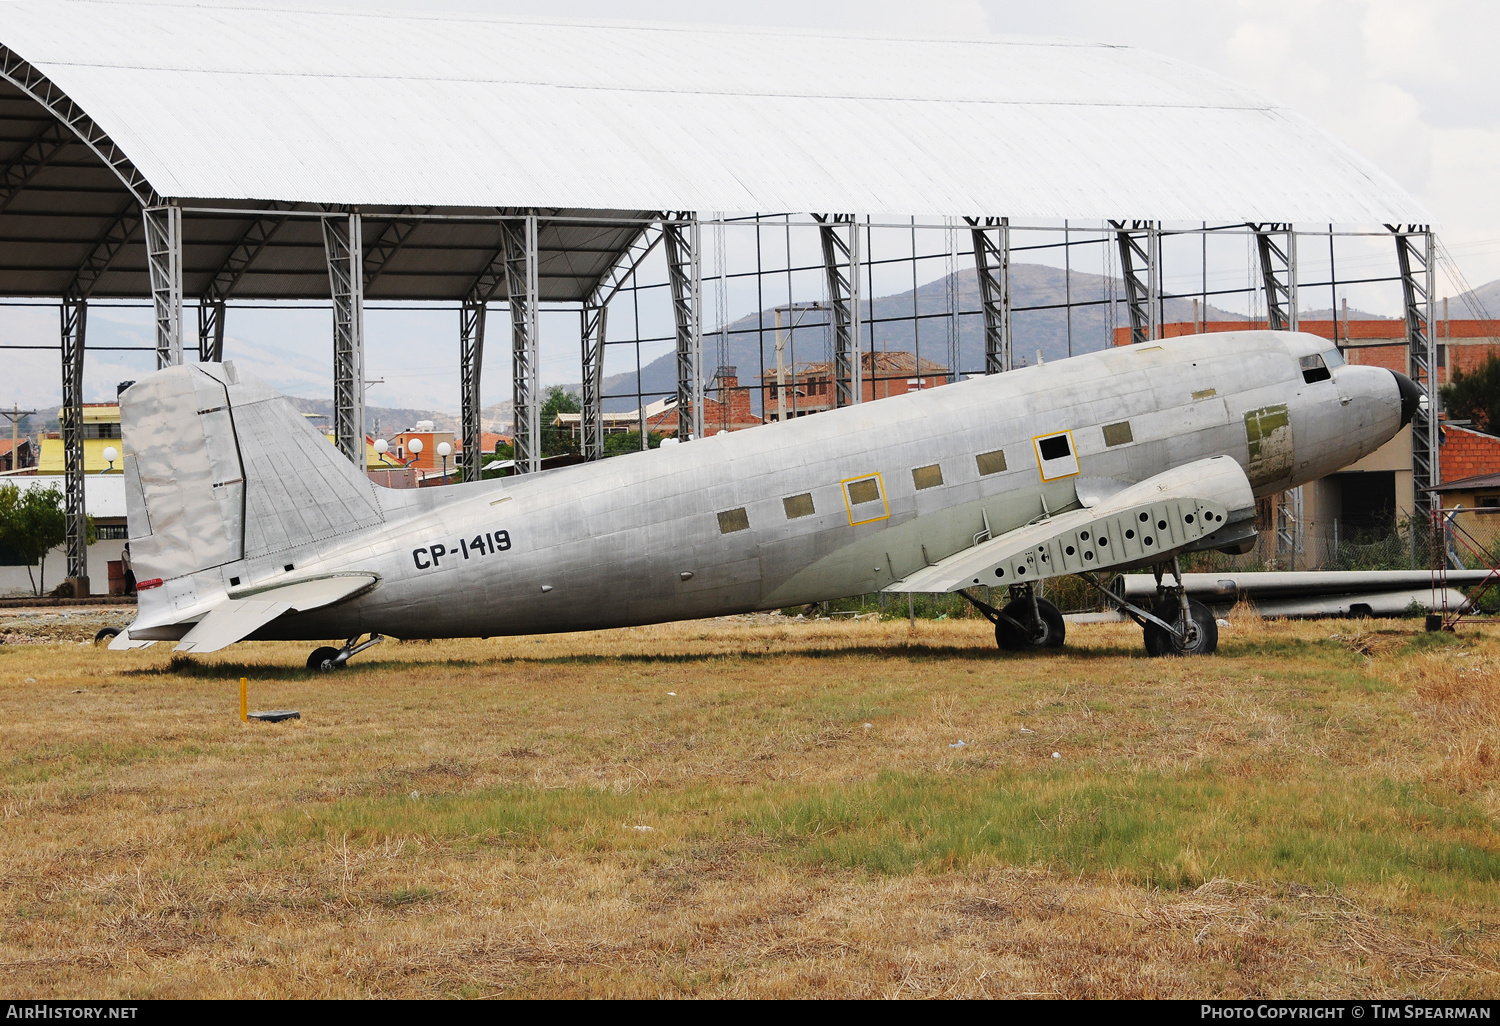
640 538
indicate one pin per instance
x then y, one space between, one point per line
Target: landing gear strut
328 658
1178 626
1027 621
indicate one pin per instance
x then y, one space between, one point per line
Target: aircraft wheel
1049 633
105 636
1203 632
322 659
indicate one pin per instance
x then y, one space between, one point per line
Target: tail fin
220 469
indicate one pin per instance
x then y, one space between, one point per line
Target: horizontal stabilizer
235 619
1136 525
122 642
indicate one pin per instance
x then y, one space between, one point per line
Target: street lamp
445 450
110 454
382 447
415 447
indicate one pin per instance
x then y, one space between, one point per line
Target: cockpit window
1314 369
1333 358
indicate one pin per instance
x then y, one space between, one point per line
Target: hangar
203 156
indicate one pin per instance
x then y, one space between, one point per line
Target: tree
1475 395
33 523
558 441
629 441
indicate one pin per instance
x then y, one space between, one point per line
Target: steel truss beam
57 103
992 268
74 323
841 266
470 364
34 156
389 244
520 240
1418 262
343 245
164 264
683 239
210 331
1278 271
595 314
1140 249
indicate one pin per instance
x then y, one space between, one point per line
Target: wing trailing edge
1137 525
236 618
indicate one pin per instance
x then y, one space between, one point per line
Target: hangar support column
74 322
992 268
164 264
1140 251
343 246
1414 253
1278 270
591 362
683 237
841 266
470 363
520 243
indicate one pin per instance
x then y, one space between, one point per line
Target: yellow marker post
244 700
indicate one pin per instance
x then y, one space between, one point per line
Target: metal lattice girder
389 244
841 266
591 360
1278 271
74 325
106 248
210 331
342 244
470 363
164 264
260 232
1140 249
684 274
34 156
57 103
595 310
520 244
1414 254
992 267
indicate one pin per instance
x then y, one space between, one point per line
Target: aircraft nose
1411 397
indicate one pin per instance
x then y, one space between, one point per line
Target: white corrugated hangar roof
256 107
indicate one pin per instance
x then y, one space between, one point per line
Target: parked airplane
245 524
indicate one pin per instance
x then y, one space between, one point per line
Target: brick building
15 454
726 407
810 386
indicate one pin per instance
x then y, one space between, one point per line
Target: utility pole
15 413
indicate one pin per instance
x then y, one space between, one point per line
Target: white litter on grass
1057 755
1027 730
415 795
644 829
958 744
31 680
1222 623
672 693
869 725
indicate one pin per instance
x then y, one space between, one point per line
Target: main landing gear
1178 625
1027 621
329 658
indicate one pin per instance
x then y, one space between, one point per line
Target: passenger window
798 506
1055 455
732 520
1313 369
991 462
1118 434
861 492
864 497
927 477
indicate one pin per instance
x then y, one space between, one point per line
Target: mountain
751 342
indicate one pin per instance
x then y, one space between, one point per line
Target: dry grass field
757 806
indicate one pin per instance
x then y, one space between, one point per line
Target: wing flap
1137 524
236 618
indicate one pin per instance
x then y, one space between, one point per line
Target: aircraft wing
236 618
1137 525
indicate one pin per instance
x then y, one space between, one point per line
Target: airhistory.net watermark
67 1010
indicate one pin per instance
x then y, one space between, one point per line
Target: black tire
105 636
322 659
1050 633
1203 638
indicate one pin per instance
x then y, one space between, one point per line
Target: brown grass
1308 814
